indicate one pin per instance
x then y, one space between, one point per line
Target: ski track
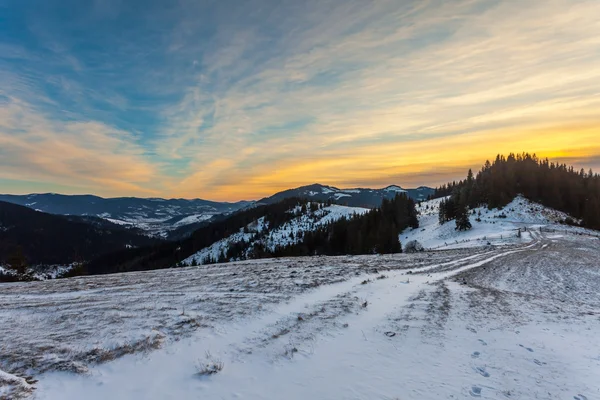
295 364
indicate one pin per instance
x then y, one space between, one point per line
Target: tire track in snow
247 370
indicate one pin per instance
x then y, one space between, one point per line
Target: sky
230 100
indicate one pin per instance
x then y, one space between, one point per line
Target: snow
13 387
394 188
284 235
118 221
520 214
214 251
158 227
338 196
192 219
41 272
335 212
513 322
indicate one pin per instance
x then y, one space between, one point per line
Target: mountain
42 238
176 219
154 215
359 197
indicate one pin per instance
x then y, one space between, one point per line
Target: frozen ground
512 322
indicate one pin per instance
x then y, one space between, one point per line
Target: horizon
207 199
231 101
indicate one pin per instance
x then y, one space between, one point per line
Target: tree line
554 185
376 231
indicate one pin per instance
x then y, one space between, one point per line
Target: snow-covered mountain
359 197
260 233
515 223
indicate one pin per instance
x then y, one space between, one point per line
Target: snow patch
394 188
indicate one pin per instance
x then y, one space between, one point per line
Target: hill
40 238
518 222
259 233
553 185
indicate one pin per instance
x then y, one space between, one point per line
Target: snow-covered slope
490 227
258 232
500 323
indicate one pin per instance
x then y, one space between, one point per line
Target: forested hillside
374 232
29 237
170 254
554 185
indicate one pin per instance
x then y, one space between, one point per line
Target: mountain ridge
351 197
177 217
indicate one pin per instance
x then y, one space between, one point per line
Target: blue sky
228 99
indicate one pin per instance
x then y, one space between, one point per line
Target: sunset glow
237 101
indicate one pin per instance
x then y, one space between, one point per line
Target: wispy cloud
235 102
87 155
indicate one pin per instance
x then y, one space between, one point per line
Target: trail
333 346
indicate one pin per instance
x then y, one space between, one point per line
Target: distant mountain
175 219
122 208
43 238
359 197
154 215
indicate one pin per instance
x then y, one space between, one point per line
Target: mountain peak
394 188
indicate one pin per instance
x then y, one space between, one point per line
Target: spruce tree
462 218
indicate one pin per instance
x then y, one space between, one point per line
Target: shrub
413 247
209 366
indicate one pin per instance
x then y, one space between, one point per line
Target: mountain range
177 218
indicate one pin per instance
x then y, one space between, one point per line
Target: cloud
86 155
384 89
235 102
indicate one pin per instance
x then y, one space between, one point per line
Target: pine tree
16 261
462 218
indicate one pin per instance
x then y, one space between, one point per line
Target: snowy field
507 322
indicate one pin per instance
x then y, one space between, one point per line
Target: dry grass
209 366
